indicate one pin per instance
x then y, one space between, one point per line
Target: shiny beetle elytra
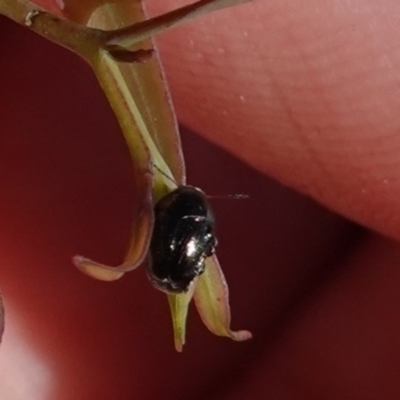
183 237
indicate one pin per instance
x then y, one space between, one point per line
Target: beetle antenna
238 196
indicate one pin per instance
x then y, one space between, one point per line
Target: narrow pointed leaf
211 297
179 306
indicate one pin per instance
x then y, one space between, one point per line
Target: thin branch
88 41
133 34
78 38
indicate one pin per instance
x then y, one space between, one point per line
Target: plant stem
133 34
78 38
98 47
137 136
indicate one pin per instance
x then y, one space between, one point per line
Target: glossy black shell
183 237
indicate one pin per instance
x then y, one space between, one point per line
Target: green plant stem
96 47
141 146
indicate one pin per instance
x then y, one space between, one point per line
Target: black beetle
183 237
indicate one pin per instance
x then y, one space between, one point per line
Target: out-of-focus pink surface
321 301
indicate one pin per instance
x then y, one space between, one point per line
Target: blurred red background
66 189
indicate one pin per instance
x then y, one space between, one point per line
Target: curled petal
211 297
179 305
140 239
